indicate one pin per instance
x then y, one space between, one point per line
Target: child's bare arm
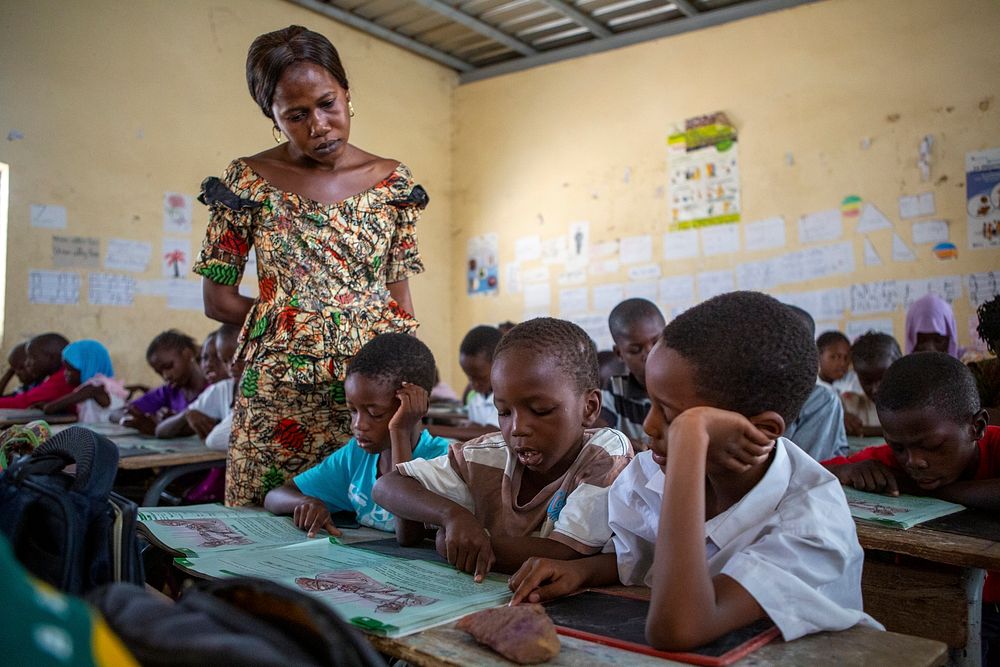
466 543
689 607
78 395
403 433
199 422
174 426
310 514
983 494
541 579
512 552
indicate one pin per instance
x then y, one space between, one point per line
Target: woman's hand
466 545
311 515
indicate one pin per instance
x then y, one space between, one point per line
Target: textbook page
200 530
379 594
896 511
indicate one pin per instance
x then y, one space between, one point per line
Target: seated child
635 327
174 356
537 488
930 326
819 428
388 383
44 361
17 367
726 520
871 354
835 362
97 394
987 371
608 364
210 361
475 356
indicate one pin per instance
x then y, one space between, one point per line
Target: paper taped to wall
930 231
76 251
128 255
110 289
54 287
48 216
681 244
765 234
821 226
720 239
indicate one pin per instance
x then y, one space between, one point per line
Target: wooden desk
11 417
936 592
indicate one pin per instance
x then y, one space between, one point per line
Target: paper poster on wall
703 173
876 297
512 277
110 289
720 239
765 234
48 216
537 296
176 258
982 193
596 326
528 248
606 297
579 242
677 290
555 251
682 244
176 213
930 231
948 288
821 226
635 249
536 275
185 295
76 251
54 287
900 251
855 328
872 220
643 289
915 206
871 255
714 283
603 267
128 255
573 301
604 249
983 287
644 272
824 304
152 287
482 271
572 277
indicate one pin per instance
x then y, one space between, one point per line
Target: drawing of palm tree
174 258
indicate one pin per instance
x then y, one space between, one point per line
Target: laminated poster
482 265
982 192
703 173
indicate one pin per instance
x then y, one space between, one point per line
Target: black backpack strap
95 456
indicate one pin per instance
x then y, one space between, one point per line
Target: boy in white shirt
727 521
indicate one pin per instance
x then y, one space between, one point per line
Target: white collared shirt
790 542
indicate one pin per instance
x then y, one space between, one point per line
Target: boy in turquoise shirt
387 388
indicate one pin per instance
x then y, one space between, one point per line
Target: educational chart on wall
703 173
176 213
982 191
482 268
76 251
54 287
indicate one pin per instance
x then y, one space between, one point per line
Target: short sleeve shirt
164 396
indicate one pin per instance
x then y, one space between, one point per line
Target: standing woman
333 228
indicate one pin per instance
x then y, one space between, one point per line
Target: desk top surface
138 451
933 545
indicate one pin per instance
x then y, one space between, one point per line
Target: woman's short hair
271 53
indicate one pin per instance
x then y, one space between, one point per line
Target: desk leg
971 655
159 485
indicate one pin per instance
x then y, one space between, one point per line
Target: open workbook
897 511
380 594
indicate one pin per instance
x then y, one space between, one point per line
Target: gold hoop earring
276 133
350 109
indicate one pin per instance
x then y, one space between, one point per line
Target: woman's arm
400 291
224 303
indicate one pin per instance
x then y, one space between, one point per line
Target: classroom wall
108 105
830 99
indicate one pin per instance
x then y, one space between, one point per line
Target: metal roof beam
481 27
576 15
375 30
686 7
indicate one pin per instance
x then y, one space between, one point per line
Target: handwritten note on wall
54 287
76 251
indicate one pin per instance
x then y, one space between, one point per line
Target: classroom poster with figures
982 191
703 173
482 269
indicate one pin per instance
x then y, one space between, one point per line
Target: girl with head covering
97 394
930 326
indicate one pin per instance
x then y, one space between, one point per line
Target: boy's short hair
989 324
395 358
629 312
172 339
874 346
480 340
564 342
828 338
750 352
929 379
50 342
806 318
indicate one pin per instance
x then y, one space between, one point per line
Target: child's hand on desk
734 443
853 424
413 403
312 516
541 579
139 420
200 423
466 545
873 476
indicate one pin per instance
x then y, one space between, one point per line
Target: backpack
70 531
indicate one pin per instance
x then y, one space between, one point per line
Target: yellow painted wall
119 102
584 139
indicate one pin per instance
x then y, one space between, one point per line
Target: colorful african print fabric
322 271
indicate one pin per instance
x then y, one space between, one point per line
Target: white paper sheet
983 287
714 283
606 297
603 267
875 297
765 234
152 287
930 231
185 295
720 239
821 226
643 289
871 220
574 277
512 278
871 255
555 251
855 328
682 244
758 276
635 249
128 255
677 290
596 326
644 272
110 289
54 287
948 288
573 301
535 275
528 248
76 251
177 209
604 249
915 206
900 251
537 295
823 304
48 216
